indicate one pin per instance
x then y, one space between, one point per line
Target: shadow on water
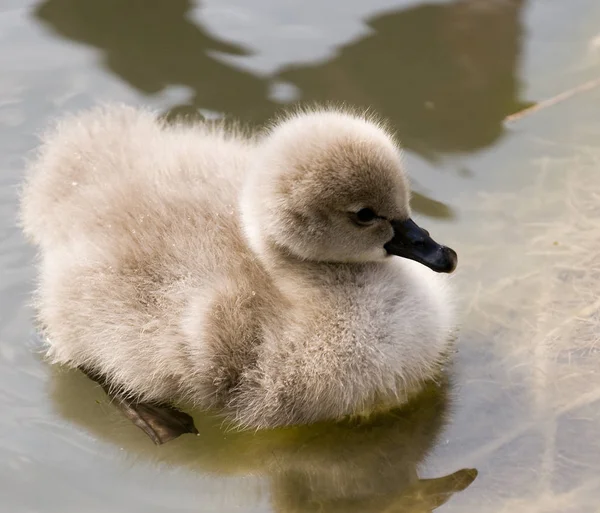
443 74
368 466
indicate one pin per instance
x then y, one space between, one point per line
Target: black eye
364 216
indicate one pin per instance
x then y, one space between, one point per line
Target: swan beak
411 241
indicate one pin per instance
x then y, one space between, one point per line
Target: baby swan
199 266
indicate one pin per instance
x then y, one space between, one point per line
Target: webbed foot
161 422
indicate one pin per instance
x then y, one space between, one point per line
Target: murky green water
520 202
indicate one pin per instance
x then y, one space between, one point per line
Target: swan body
251 273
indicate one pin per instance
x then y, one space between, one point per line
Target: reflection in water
330 467
152 45
443 74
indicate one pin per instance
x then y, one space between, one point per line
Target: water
520 202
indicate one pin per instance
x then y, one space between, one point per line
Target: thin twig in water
587 86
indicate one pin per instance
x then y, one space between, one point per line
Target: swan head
329 186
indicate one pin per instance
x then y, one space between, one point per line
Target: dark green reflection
443 74
152 44
351 466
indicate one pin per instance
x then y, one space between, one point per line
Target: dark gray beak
411 241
